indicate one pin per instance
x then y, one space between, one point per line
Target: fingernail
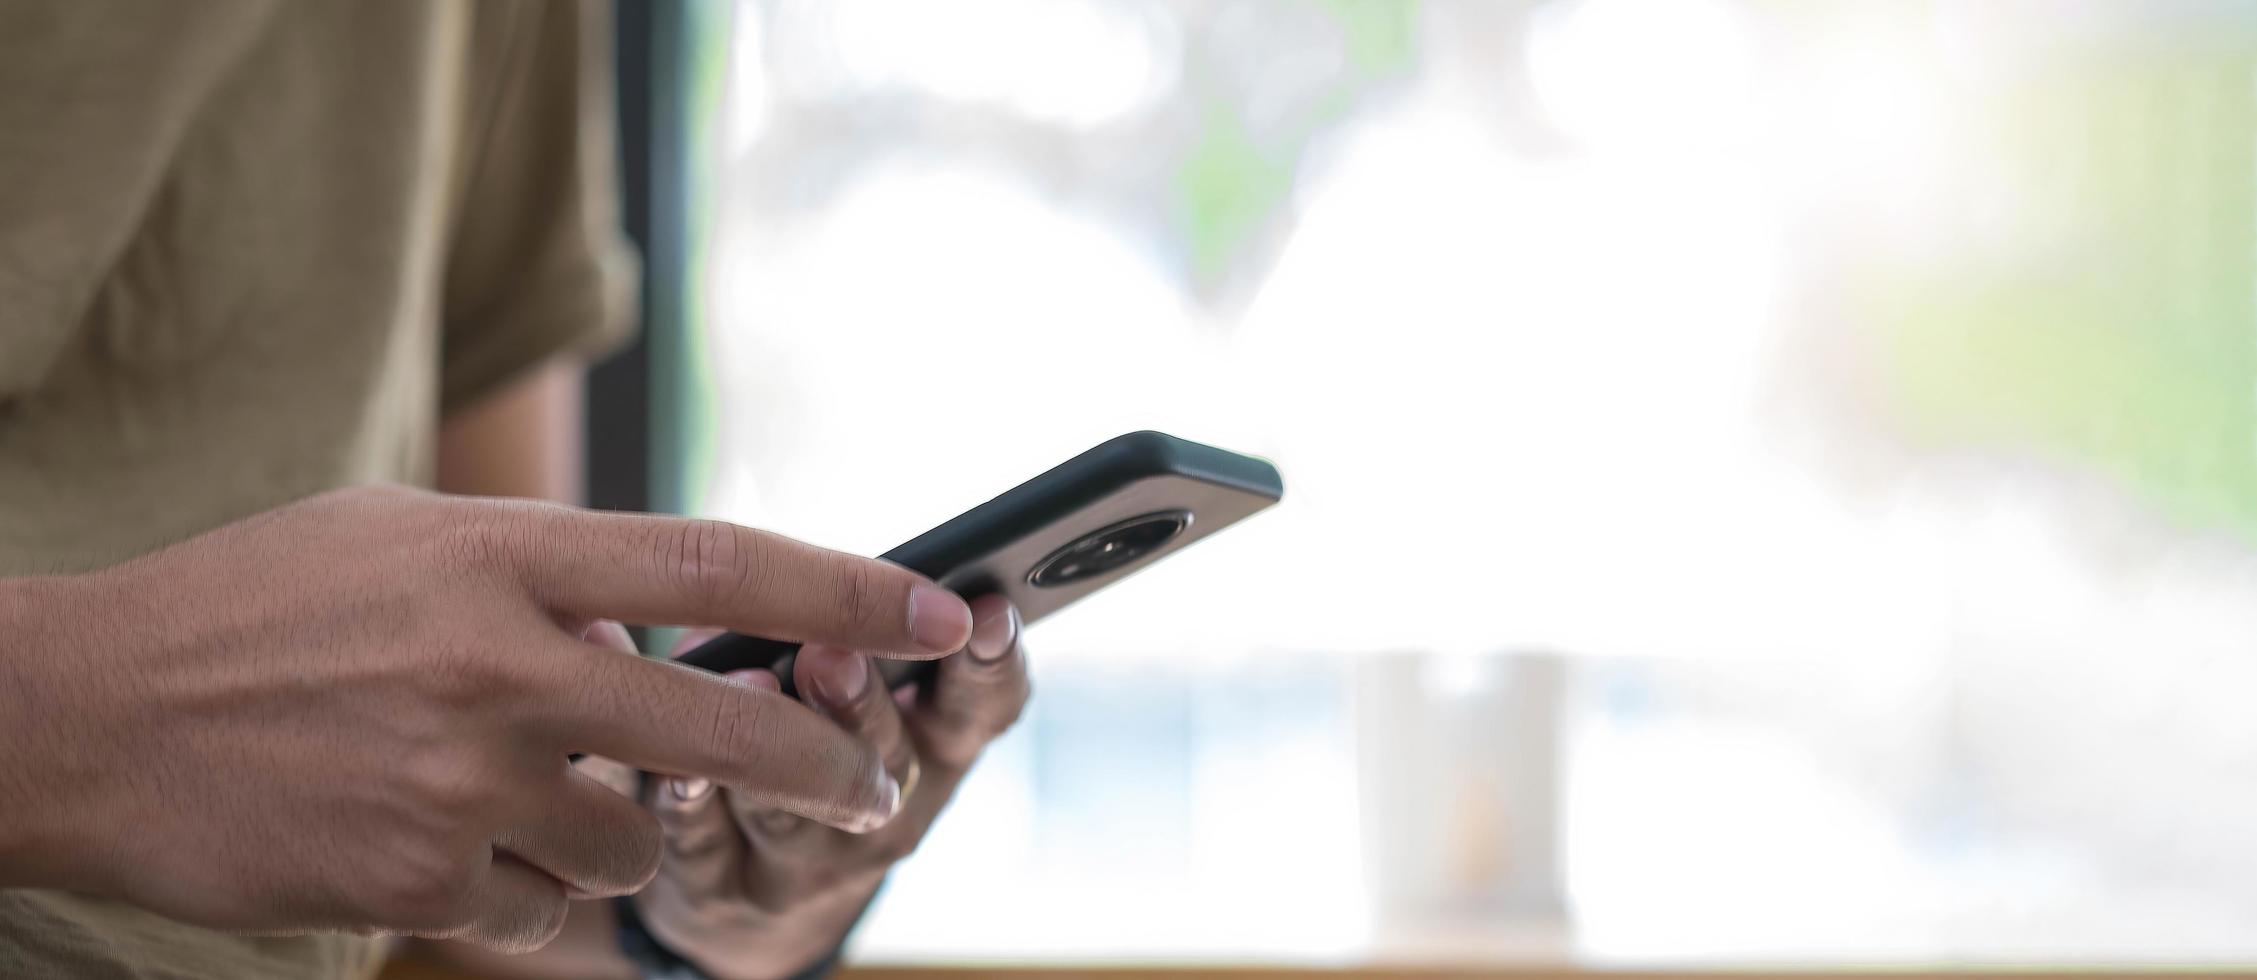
938 620
760 679
889 803
839 675
991 639
690 789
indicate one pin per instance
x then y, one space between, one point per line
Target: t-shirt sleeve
538 265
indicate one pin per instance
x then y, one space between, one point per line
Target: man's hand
355 712
748 890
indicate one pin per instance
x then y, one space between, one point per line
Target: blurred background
1769 482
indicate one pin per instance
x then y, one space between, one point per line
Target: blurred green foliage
682 399
2112 325
1232 187
1229 186
1381 33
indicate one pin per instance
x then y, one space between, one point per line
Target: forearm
521 441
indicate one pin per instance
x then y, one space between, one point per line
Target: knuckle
1003 711
495 537
475 539
994 713
444 784
465 677
710 561
733 721
860 592
963 718
545 930
644 849
425 894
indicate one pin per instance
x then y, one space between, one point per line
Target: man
253 252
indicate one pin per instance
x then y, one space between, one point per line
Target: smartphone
1083 525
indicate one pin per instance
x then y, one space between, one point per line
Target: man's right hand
356 712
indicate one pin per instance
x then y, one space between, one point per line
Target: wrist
46 824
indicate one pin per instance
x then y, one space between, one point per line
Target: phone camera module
1109 549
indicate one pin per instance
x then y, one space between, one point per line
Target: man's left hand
746 891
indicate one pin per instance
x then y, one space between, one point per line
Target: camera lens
1108 549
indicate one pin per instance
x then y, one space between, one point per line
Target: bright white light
1867 131
1699 841
928 345
1073 62
1558 346
747 106
1874 132
1644 74
1522 401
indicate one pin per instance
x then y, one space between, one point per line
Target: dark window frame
632 426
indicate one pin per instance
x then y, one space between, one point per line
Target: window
1764 480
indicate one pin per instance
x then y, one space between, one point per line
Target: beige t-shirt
252 250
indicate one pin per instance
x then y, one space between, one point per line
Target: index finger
682 571
682 721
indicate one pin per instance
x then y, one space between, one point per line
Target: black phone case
1026 509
